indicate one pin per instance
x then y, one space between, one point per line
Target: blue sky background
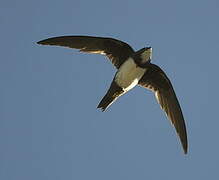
50 128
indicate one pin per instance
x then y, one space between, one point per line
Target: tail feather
113 93
106 102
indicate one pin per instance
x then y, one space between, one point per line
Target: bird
134 68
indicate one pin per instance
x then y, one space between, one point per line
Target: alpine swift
134 68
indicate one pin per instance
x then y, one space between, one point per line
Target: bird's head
144 55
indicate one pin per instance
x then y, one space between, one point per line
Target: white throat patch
146 55
129 74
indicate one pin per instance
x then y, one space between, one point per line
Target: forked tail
112 94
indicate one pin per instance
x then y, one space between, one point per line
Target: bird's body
134 68
126 78
129 74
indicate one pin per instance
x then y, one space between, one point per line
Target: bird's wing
117 51
157 81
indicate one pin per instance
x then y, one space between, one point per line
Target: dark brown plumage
154 78
157 81
117 51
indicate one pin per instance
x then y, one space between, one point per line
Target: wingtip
40 42
45 41
185 148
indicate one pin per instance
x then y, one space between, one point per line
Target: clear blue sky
50 128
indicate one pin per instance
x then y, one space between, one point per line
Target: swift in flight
134 68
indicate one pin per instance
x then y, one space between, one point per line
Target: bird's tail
112 94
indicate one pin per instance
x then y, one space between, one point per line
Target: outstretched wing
157 81
117 51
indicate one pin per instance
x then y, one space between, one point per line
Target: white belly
129 74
